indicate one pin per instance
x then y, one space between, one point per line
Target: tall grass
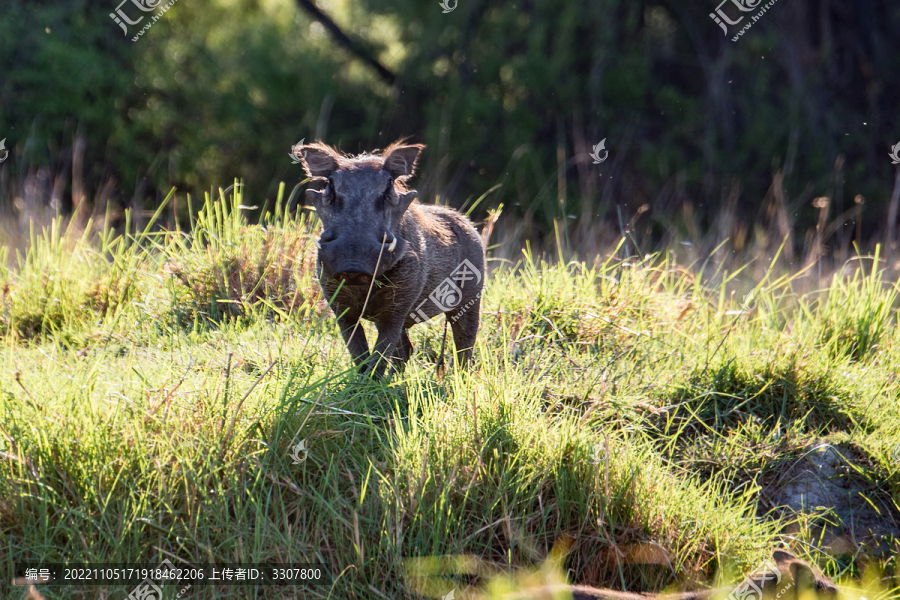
157 380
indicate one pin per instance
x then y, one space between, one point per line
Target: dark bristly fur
373 229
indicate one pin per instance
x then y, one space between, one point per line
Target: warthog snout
355 259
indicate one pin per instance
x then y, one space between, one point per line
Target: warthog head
360 207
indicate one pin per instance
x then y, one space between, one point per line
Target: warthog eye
328 194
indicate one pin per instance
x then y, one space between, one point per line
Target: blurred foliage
501 93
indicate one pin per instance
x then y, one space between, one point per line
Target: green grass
155 382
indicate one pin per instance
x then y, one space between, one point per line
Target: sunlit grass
155 382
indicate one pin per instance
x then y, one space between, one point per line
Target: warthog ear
400 161
319 161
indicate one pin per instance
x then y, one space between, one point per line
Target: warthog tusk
393 245
318 245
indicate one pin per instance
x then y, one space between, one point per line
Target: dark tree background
704 133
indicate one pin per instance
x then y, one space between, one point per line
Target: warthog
387 259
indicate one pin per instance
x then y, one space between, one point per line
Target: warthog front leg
388 341
358 345
403 353
406 349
